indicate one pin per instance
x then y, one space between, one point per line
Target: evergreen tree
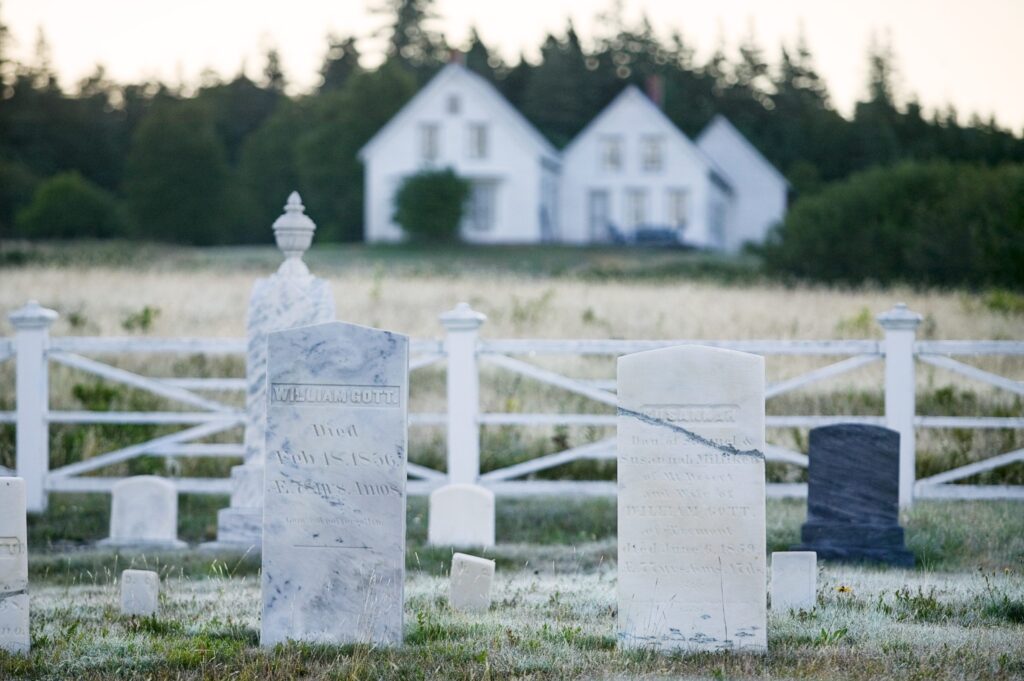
558 97
177 176
340 63
411 41
479 59
273 75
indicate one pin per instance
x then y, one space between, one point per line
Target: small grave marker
140 592
794 580
471 579
144 514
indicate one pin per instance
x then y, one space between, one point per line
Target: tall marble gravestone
334 510
691 500
14 623
853 495
289 298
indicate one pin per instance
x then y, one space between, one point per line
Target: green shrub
926 223
429 205
67 206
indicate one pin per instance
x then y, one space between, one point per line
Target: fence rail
464 353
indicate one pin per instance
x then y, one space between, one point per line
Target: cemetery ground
958 614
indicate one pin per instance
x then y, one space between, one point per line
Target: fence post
900 325
462 325
461 511
32 440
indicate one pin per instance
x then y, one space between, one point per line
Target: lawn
958 615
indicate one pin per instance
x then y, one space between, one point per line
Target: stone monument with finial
290 297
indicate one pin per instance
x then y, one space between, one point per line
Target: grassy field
958 615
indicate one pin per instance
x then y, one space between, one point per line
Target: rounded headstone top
899 317
32 315
462 318
293 232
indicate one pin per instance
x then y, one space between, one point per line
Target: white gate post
462 512
462 325
900 325
32 439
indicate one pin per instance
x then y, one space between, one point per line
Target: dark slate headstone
853 495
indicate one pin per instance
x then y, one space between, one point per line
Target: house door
598 211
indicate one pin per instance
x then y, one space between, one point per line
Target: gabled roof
720 122
632 94
480 89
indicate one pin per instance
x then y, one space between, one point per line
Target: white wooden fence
33 350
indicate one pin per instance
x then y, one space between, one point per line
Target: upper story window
651 154
477 140
430 147
454 105
611 153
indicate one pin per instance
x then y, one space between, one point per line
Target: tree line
213 164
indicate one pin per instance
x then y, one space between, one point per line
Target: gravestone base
856 543
239 530
461 515
143 544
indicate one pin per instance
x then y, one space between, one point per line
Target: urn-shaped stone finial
293 232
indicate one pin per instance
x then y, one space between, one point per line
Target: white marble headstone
794 580
691 500
14 624
144 513
334 506
461 514
471 579
140 592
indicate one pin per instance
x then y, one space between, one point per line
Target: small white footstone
140 592
14 623
461 515
144 514
691 500
794 580
334 506
471 579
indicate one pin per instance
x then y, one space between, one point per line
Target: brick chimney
655 86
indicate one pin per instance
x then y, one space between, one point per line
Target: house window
429 142
454 105
651 154
611 153
636 208
481 208
676 209
598 214
477 140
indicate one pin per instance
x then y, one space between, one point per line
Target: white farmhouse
631 174
460 121
759 190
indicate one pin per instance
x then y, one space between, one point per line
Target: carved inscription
351 395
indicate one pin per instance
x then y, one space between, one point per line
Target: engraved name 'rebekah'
348 395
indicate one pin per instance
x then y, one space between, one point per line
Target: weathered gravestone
470 586
144 514
14 631
140 592
289 298
691 500
853 495
794 580
334 511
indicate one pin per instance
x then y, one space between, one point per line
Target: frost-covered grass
958 615
543 624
